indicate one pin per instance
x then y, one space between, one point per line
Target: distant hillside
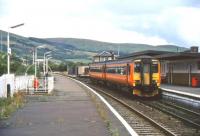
72 49
97 46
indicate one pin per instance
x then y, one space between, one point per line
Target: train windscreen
154 67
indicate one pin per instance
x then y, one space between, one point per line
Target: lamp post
8 47
35 56
1 41
44 62
47 63
44 69
35 63
46 74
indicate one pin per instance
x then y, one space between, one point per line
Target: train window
154 68
124 70
117 70
137 67
146 68
95 69
120 69
111 70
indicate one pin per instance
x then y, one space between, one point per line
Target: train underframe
145 91
138 91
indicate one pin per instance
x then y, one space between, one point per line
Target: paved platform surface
182 89
69 112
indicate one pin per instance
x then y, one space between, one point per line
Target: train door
104 72
128 73
137 72
146 73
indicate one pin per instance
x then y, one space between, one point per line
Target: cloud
178 25
137 7
137 21
189 25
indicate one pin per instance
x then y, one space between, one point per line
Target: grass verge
11 104
102 110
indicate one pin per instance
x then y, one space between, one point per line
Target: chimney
194 49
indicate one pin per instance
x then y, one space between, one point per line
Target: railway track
188 116
170 122
141 123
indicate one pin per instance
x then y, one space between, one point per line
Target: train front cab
146 77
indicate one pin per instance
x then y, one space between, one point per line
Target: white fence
14 83
4 81
23 82
50 84
17 83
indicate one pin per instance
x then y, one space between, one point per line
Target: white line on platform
179 92
121 119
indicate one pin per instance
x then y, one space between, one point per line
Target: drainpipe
190 71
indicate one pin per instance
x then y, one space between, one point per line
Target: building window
198 65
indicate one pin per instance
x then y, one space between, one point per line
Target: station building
177 68
104 56
181 68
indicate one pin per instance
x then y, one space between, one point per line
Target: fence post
8 91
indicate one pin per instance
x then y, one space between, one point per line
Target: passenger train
141 74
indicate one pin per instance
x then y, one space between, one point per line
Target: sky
154 22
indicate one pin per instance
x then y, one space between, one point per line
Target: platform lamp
41 46
8 46
47 62
44 61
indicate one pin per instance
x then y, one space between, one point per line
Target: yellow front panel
136 76
155 77
146 79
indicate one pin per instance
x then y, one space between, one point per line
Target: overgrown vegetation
9 105
19 68
103 112
16 65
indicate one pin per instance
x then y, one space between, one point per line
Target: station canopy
178 56
163 55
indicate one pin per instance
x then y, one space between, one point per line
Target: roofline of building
179 55
146 52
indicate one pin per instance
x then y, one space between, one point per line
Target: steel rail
182 108
196 125
162 128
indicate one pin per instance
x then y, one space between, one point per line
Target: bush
9 105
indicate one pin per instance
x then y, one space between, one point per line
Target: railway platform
187 96
182 90
68 112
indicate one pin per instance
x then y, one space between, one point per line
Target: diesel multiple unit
141 74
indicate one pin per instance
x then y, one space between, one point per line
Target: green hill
97 46
72 49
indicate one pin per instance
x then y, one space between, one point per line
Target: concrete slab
69 112
190 91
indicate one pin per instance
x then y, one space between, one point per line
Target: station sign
9 51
